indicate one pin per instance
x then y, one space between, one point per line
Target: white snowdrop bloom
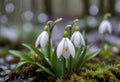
77 38
105 26
65 48
42 38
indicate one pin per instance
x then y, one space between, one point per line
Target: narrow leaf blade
21 55
36 50
45 69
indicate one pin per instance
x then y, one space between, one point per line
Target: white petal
72 37
71 48
60 48
37 41
102 27
109 27
44 39
110 30
66 54
77 39
105 26
82 40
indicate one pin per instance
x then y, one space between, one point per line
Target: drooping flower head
105 25
43 38
77 38
65 47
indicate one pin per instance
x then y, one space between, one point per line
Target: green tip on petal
106 16
65 34
77 28
46 28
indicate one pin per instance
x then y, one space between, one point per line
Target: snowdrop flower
77 38
105 26
42 38
65 47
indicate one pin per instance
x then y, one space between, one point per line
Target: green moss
95 70
27 69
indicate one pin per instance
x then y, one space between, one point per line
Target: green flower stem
103 42
69 27
66 63
49 45
64 66
50 34
106 16
74 22
70 65
70 31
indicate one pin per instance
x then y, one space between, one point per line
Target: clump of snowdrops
62 60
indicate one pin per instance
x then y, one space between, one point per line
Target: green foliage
55 65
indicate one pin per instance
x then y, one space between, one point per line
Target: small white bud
77 39
105 26
42 39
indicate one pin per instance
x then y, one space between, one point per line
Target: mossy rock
95 70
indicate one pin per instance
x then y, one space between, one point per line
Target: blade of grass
21 55
36 50
45 69
90 56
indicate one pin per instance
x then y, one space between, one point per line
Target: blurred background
23 20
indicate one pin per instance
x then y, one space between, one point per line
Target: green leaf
90 56
45 69
54 58
82 53
36 50
79 55
57 64
60 67
27 46
48 61
39 70
24 62
20 64
21 55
